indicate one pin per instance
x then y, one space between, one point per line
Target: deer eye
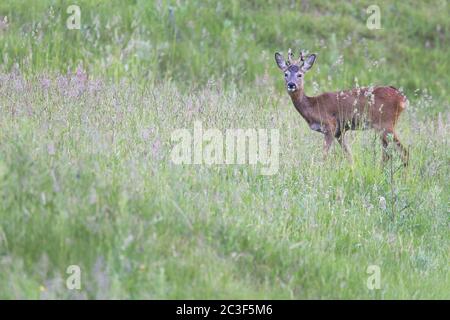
299 75
285 74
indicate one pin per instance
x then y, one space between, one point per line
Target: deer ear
309 61
280 61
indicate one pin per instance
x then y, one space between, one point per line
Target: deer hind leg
345 147
385 137
403 151
385 142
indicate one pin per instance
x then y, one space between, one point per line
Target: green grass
86 176
233 41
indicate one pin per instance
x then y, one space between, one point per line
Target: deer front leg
329 138
329 130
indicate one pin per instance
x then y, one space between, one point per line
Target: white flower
382 203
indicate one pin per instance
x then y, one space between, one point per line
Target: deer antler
290 57
302 56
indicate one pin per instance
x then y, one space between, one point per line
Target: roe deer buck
334 113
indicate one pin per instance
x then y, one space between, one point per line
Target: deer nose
291 86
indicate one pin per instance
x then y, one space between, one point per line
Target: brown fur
334 113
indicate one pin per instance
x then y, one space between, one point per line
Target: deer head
294 69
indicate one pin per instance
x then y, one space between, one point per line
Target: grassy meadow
86 176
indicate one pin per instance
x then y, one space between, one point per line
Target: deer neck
302 103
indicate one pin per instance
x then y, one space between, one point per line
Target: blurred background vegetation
233 42
86 118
